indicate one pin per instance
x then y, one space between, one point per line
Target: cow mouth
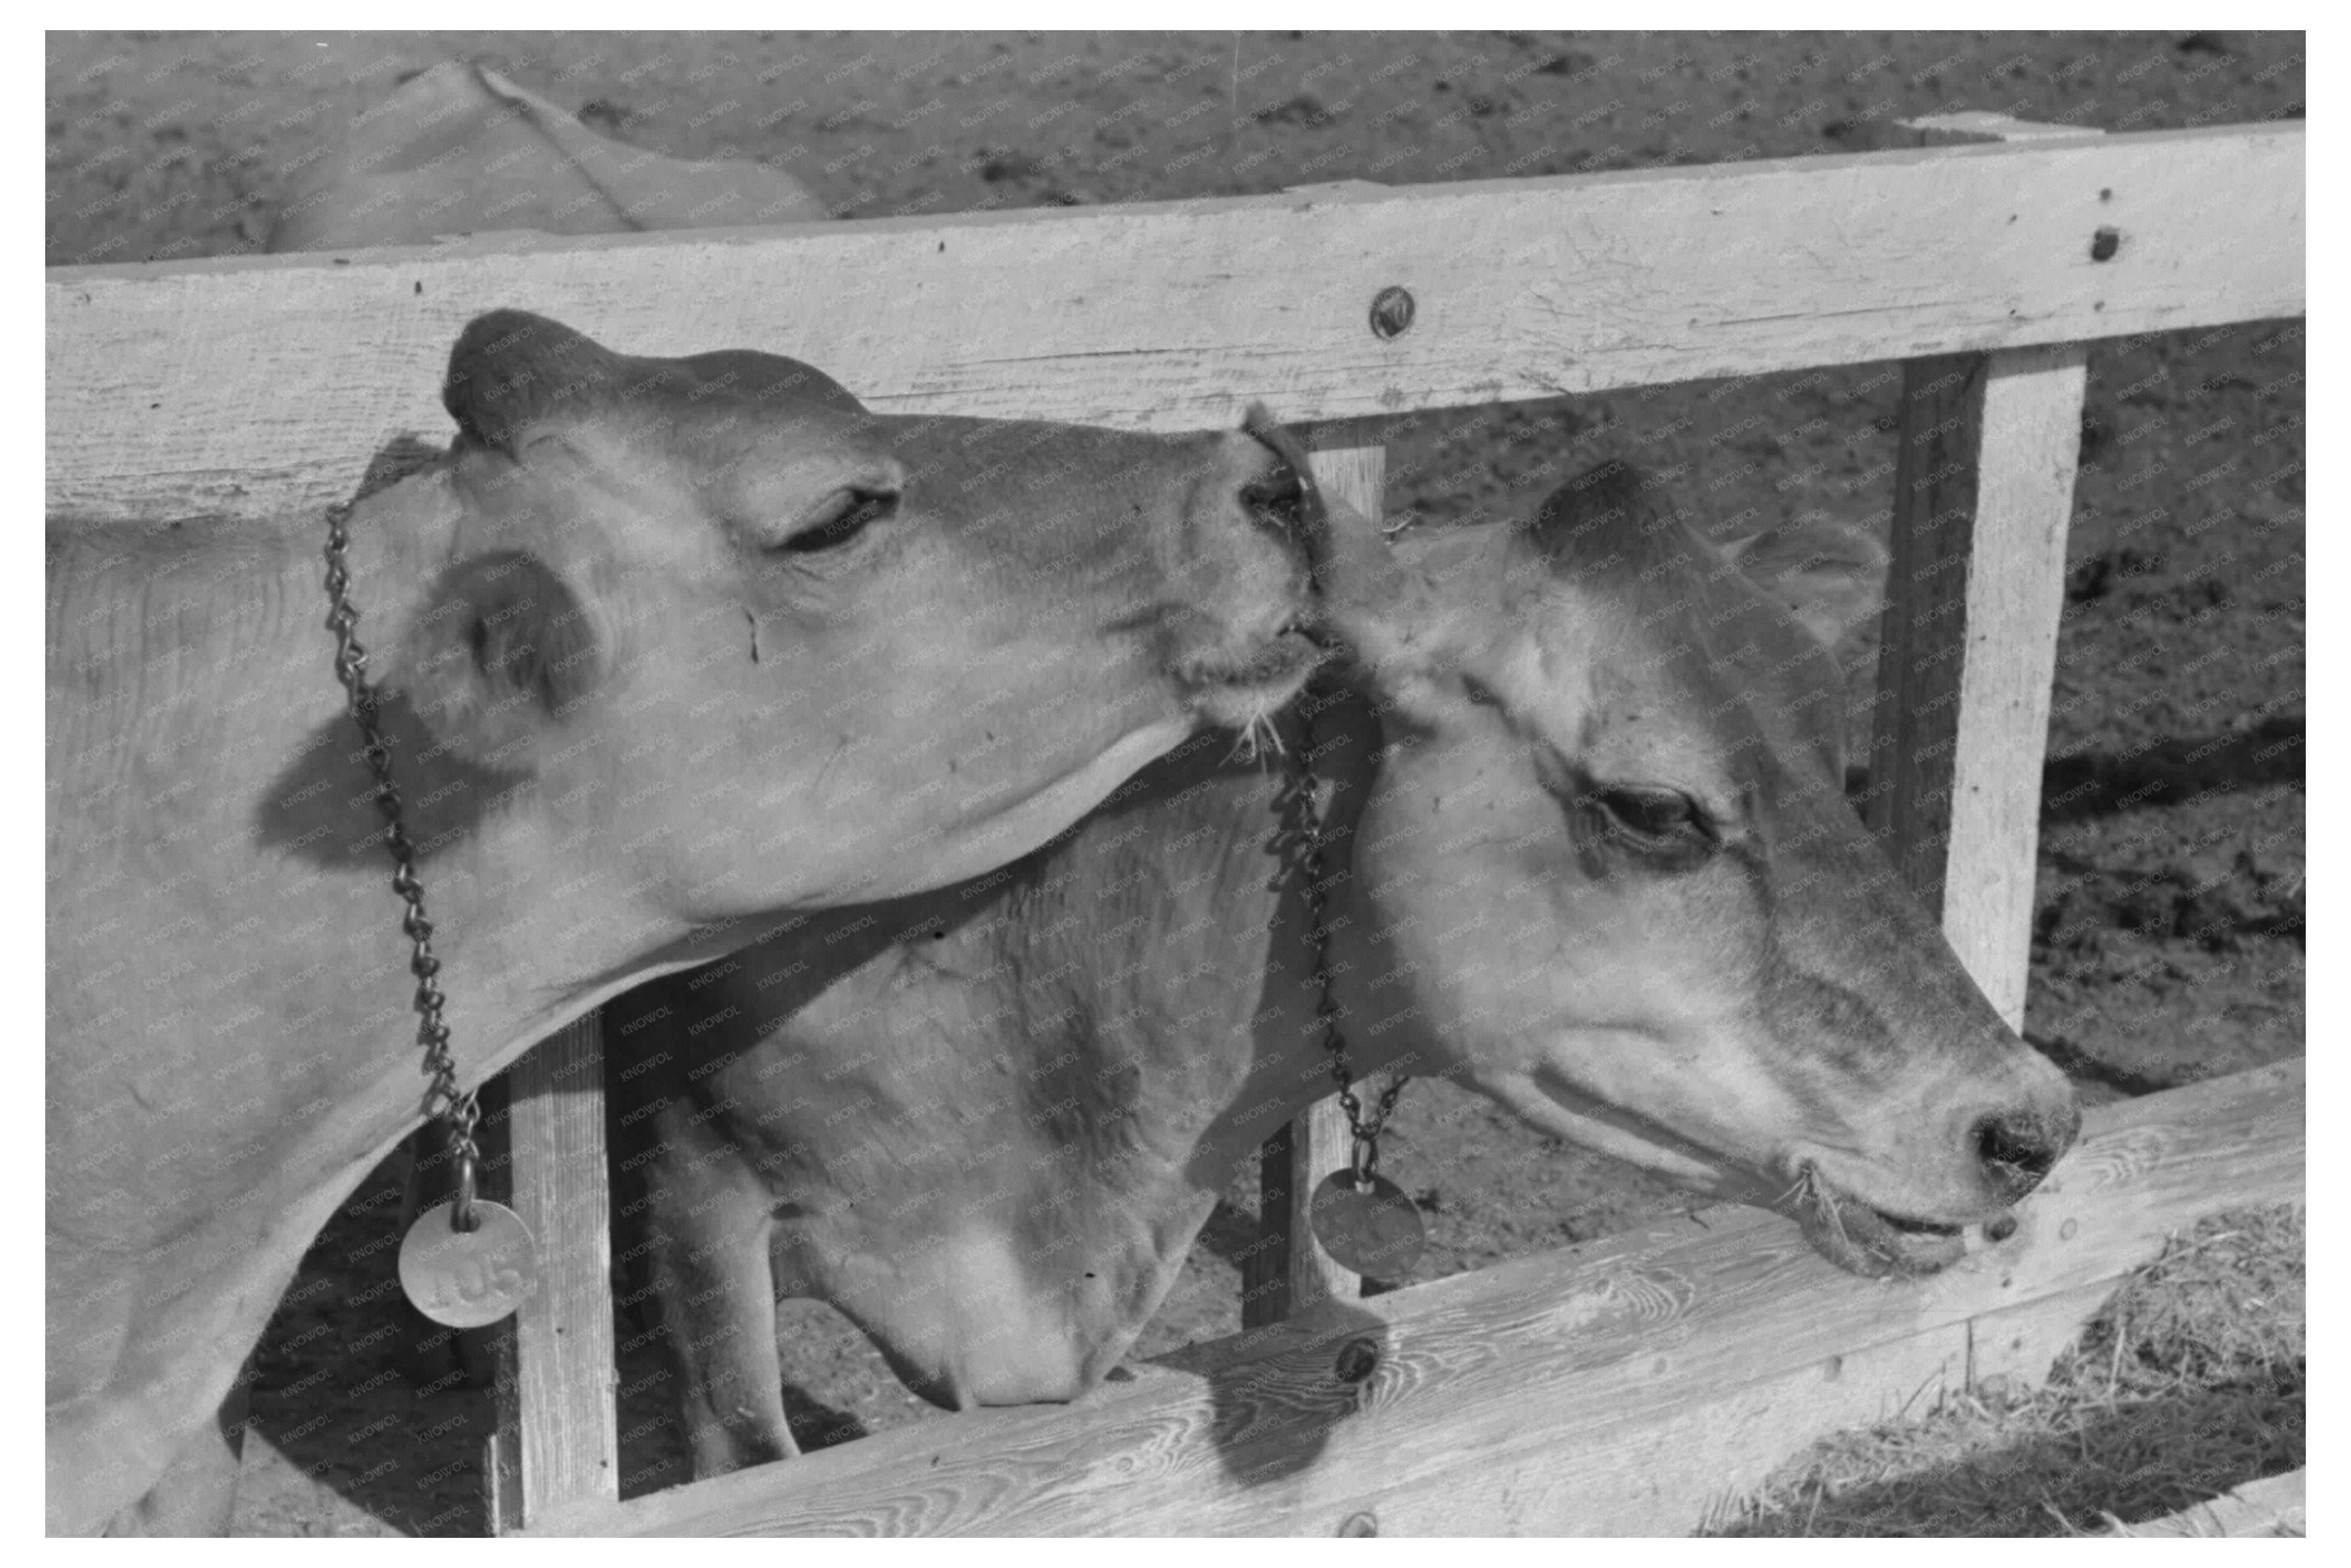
1239 692
1866 1240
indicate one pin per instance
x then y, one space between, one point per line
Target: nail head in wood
2103 244
1358 1526
1392 309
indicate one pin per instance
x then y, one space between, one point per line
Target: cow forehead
1713 667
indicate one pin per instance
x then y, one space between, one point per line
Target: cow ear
510 370
505 652
1609 510
1830 576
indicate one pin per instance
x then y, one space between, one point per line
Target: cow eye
1279 496
840 520
1652 817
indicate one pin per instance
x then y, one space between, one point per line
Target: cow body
988 1122
668 646
459 148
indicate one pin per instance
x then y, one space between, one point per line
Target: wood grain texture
558 1415
2030 438
259 387
1620 1389
2273 1506
1984 466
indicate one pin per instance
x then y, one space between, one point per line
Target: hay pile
2189 1383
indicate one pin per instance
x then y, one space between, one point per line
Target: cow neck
505 890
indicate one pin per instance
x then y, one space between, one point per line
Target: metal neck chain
1301 820
453 1107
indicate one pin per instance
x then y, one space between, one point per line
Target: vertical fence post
558 1438
1983 495
1290 1272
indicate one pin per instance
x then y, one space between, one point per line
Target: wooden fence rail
259 387
1621 1389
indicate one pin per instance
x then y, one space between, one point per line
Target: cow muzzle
1243 688
2009 1151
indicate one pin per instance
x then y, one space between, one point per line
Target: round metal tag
1373 1229
467 1278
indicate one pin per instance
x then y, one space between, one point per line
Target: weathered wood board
1622 1390
259 387
558 1438
2273 1506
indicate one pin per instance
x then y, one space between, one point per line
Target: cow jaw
1825 1195
1547 1100
1014 829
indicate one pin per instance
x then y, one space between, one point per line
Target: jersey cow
1600 866
670 644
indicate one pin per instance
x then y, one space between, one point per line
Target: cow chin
1865 1240
1243 692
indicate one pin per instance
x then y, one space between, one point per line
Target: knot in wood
1357 1360
1392 309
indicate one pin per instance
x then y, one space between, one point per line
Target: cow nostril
2017 1151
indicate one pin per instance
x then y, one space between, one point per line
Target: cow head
885 652
1608 843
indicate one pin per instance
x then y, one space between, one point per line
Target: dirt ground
2168 943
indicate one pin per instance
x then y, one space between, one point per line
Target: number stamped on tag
1372 1230
468 1279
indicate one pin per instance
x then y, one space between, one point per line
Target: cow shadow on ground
2138 1462
2092 782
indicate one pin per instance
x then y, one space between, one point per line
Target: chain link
1301 823
444 1101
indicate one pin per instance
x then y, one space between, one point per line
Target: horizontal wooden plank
1622 1389
2273 1506
258 386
